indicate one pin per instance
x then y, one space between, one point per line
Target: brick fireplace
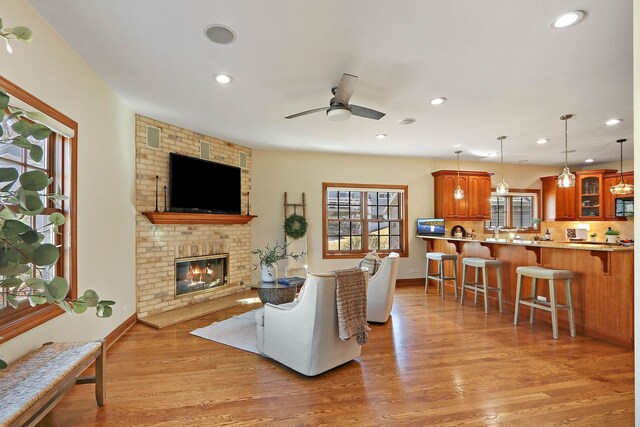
159 246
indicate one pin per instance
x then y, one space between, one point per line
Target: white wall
275 172
49 69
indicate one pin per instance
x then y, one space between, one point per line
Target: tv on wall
201 186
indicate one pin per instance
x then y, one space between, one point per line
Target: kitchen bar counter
602 287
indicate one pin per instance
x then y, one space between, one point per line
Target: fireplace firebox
201 274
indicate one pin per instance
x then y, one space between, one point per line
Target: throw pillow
371 261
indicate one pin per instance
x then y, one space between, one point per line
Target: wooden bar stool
440 277
476 286
551 275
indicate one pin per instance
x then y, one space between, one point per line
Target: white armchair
303 335
381 288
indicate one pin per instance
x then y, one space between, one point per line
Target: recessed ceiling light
612 122
542 141
223 78
492 154
381 135
220 34
590 160
456 145
567 19
438 101
406 121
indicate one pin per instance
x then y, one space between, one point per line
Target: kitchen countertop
581 246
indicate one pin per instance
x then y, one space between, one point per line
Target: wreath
295 226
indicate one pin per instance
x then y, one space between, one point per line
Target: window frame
403 209
65 175
517 192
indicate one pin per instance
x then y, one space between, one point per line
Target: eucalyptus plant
270 255
26 260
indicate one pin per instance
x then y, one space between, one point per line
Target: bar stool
476 286
546 274
440 277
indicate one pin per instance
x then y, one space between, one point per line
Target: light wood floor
433 363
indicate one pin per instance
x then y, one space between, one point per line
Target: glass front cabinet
591 194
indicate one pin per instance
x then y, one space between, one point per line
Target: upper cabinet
610 199
477 191
586 201
558 204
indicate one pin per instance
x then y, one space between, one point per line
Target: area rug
238 331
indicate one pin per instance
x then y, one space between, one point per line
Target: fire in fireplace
200 274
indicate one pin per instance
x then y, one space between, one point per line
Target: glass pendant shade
621 189
566 179
502 188
458 193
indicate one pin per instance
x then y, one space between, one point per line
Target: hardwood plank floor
433 363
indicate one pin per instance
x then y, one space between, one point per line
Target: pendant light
503 187
566 178
621 189
459 192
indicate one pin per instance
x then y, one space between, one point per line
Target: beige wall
275 172
52 71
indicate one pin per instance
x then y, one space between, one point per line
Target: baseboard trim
416 281
121 330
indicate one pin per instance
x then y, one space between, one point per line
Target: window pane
43 162
522 208
332 228
395 229
394 242
498 212
394 213
372 212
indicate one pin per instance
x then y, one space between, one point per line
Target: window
58 162
360 218
514 210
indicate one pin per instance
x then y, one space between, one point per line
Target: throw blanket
351 301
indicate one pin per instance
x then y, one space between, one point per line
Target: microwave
624 206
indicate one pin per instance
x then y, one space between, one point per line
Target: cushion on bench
27 380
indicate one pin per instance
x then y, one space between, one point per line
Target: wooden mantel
196 218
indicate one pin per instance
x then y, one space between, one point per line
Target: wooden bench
33 385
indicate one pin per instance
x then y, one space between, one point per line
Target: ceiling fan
339 108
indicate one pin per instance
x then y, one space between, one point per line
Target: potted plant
268 258
535 222
612 236
593 236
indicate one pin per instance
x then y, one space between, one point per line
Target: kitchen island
602 285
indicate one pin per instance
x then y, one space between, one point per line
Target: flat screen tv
430 226
201 186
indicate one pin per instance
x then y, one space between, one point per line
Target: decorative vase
612 239
593 239
269 273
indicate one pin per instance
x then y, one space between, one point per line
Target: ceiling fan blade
345 88
304 113
367 113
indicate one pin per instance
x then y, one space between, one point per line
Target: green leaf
35 283
6 214
13 227
10 282
65 306
37 300
104 311
3 364
34 180
21 127
40 131
22 33
57 288
107 302
46 254
36 153
31 237
4 100
30 202
13 301
90 298
8 174
79 307
22 143
56 219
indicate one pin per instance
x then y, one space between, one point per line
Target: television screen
197 185
430 226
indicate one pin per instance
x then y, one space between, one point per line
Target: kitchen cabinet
591 194
609 199
585 201
477 190
558 204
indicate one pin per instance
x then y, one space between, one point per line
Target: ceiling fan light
502 188
338 114
566 179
